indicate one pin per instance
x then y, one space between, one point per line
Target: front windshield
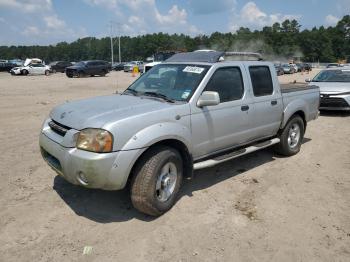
175 82
336 75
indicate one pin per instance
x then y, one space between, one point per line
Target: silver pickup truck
191 112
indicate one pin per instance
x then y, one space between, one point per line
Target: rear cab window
261 80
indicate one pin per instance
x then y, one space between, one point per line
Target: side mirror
307 80
208 98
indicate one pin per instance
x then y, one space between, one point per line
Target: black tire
80 74
103 73
287 147
47 72
54 71
144 195
25 72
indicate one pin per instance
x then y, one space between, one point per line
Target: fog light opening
82 178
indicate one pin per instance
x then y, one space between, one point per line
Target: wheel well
180 147
302 115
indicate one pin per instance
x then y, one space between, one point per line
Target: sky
42 22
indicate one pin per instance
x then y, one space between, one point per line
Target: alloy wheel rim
294 135
166 182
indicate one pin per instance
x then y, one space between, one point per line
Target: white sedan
33 69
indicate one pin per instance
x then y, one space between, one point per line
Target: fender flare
298 105
157 133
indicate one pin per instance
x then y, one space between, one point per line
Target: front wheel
157 180
291 137
47 72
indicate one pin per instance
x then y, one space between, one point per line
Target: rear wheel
103 73
157 180
291 137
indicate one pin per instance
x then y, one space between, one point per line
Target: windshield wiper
164 97
131 91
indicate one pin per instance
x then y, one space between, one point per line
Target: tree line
280 41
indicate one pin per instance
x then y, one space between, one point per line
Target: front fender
292 108
159 132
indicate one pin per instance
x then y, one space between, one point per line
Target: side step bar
223 158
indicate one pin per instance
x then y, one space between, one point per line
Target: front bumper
335 102
15 72
108 171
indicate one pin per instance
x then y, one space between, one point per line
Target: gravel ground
260 207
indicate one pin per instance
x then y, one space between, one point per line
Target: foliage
279 41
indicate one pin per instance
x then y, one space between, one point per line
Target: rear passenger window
228 82
261 80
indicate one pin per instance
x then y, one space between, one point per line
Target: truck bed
293 87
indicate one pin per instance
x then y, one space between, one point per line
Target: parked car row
288 68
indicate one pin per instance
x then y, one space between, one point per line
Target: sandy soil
257 208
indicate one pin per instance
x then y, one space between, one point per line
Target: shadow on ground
115 206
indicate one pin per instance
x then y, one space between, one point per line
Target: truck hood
332 87
98 111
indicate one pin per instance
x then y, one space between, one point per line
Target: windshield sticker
185 94
193 69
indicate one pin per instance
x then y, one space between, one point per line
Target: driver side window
228 82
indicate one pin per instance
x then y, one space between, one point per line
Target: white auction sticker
193 69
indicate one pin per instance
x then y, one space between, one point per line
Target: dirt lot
257 208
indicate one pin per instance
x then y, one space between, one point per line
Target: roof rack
210 56
243 56
204 56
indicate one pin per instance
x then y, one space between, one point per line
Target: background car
295 67
59 66
332 65
334 86
17 62
279 69
32 69
288 69
6 67
88 68
130 66
118 66
307 67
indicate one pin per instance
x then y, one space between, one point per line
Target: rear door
228 124
267 100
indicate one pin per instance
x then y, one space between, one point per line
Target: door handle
274 102
245 108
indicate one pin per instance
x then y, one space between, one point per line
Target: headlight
95 140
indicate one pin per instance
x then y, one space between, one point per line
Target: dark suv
88 68
59 66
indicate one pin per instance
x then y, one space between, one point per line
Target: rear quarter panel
306 101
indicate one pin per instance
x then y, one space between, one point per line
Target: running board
223 158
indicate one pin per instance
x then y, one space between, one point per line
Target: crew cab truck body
188 113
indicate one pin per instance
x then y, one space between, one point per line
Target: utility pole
111 36
119 47
111 23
